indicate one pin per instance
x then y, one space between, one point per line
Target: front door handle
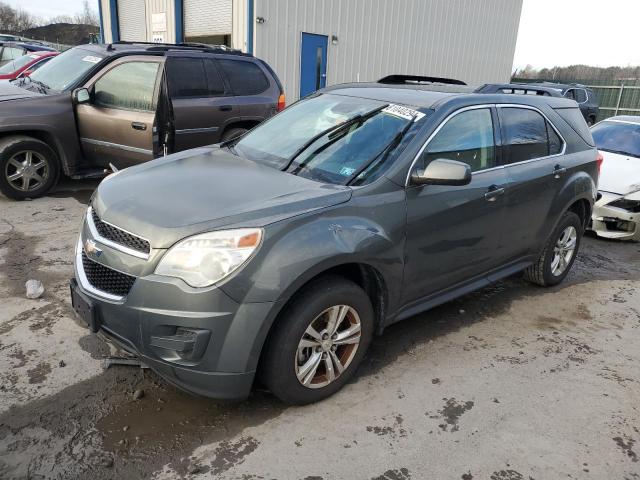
226 108
493 193
558 170
139 125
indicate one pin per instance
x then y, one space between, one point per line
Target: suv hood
619 173
206 189
9 91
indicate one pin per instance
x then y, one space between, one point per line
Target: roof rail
417 79
154 46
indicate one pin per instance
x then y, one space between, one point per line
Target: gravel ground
512 382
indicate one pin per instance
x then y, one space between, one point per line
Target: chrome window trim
84 281
497 167
116 246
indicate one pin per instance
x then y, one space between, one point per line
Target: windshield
62 71
331 138
16 64
618 137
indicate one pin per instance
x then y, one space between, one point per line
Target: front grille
119 236
105 279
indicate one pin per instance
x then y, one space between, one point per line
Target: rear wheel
559 253
29 168
319 341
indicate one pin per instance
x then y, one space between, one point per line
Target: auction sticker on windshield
91 59
403 112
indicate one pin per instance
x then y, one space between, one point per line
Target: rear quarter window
245 78
573 116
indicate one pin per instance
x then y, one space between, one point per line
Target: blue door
313 63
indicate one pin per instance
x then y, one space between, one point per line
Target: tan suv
121 104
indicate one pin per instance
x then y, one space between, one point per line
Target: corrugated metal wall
472 40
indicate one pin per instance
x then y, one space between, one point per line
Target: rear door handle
138 125
226 108
558 170
493 193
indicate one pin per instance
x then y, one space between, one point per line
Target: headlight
632 206
205 259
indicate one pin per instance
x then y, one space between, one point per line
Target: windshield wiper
395 141
334 131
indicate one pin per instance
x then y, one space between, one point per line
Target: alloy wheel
564 250
27 171
328 346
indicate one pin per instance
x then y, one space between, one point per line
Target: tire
232 133
283 362
542 272
14 152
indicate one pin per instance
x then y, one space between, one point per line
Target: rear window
573 116
245 78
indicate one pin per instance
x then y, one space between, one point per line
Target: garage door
207 18
132 20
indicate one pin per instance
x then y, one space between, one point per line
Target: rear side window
527 135
214 79
187 78
574 117
245 78
580 95
467 137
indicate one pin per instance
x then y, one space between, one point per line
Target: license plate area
84 307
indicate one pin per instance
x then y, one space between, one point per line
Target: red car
23 66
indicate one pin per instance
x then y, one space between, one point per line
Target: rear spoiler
417 79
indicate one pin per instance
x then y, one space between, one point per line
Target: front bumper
200 340
612 222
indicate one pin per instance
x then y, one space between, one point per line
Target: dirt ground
513 382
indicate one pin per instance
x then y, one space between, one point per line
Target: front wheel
559 253
29 168
319 341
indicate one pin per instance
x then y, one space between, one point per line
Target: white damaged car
616 214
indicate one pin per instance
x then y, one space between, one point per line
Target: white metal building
310 43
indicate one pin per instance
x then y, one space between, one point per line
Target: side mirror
81 95
442 172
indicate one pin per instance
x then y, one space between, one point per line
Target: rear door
532 154
454 232
118 124
255 96
200 101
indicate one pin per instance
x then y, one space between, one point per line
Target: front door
117 125
313 63
454 232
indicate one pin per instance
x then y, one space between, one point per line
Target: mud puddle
97 426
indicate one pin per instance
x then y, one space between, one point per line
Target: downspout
113 13
101 23
250 24
179 14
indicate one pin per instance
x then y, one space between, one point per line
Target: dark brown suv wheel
29 168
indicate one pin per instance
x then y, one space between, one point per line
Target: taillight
281 103
599 160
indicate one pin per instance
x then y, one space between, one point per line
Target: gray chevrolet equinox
278 255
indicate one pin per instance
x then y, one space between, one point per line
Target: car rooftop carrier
202 47
417 80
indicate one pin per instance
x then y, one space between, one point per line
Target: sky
600 33
552 32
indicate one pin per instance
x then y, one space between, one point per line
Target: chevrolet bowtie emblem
90 248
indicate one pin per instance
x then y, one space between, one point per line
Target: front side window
467 138
322 139
527 135
618 137
128 86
